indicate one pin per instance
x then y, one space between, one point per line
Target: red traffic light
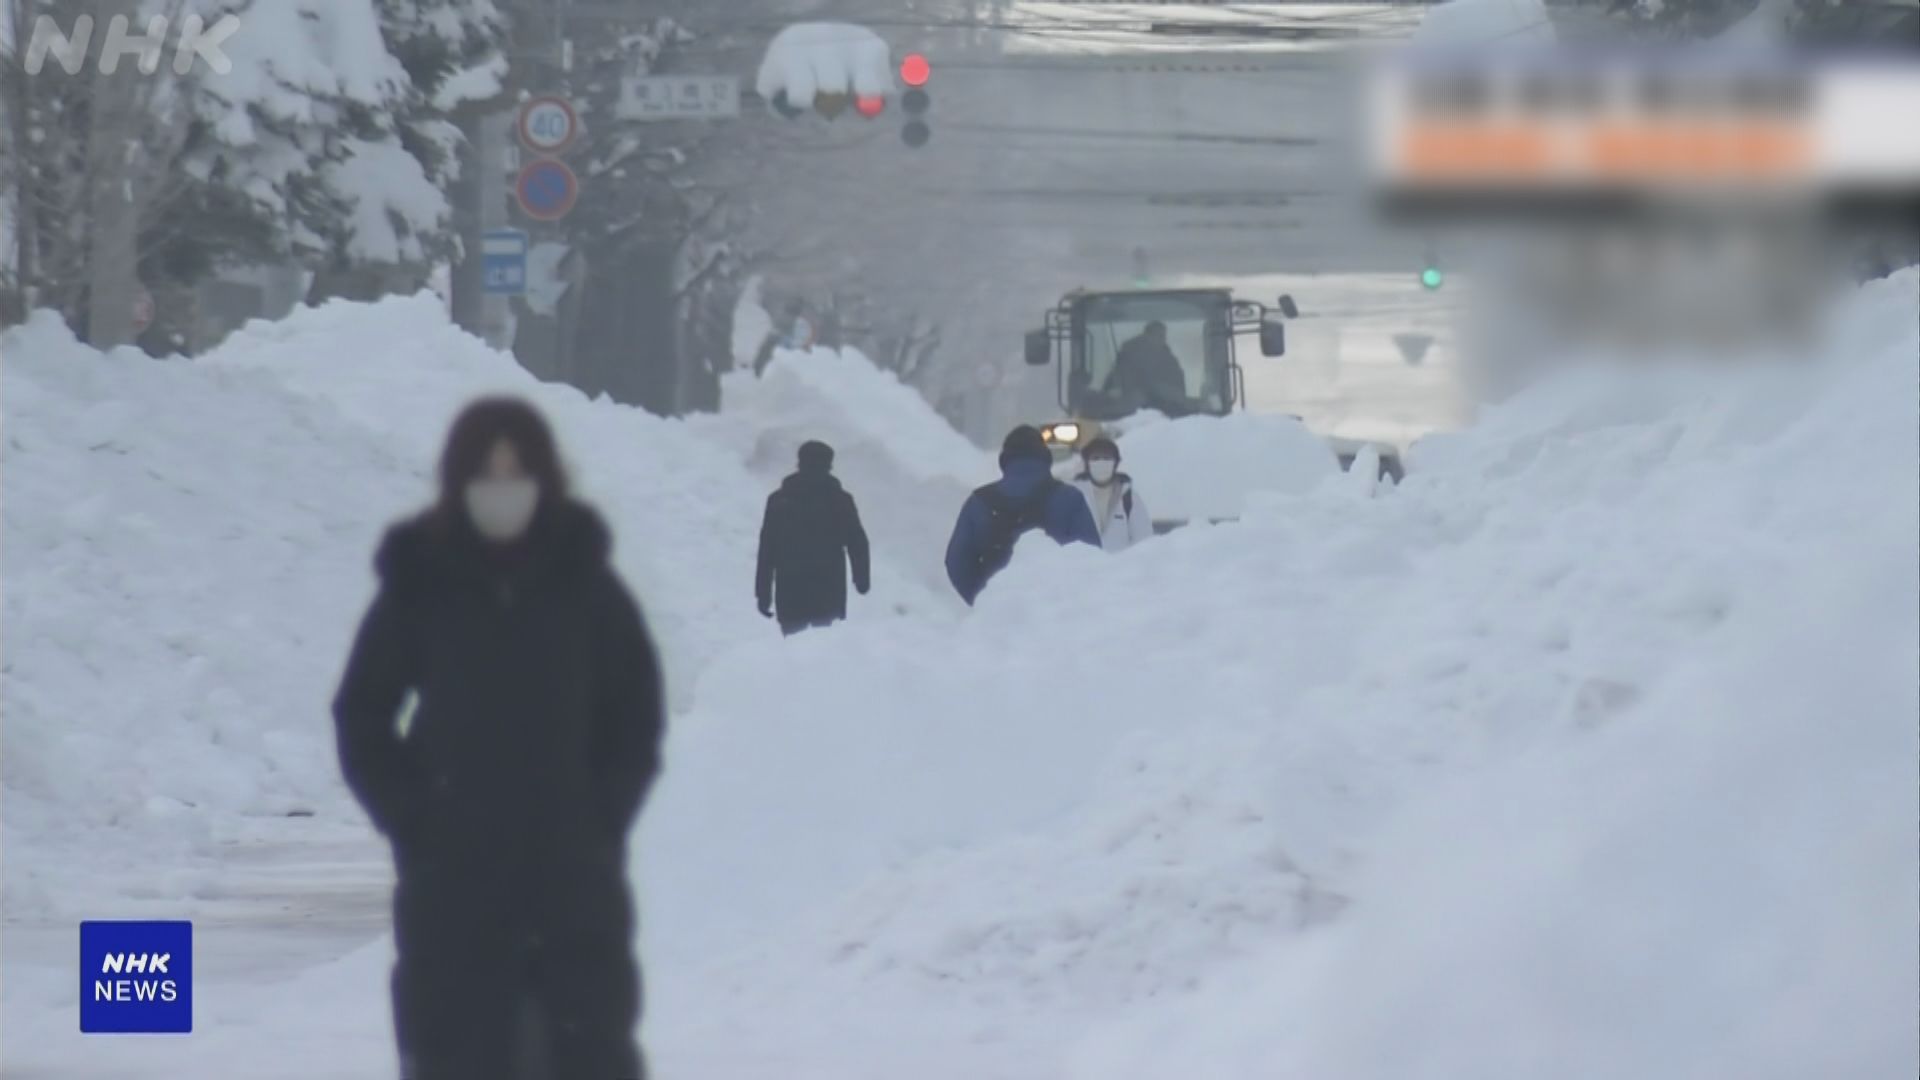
915 69
870 105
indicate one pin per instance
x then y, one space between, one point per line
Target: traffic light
914 72
1431 276
829 105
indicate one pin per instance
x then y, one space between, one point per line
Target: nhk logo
160 987
136 977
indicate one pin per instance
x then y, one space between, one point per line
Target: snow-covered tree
451 53
324 143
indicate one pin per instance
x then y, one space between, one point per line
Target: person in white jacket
1117 508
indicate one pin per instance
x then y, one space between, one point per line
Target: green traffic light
1431 277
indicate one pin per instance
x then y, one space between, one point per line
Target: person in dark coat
1148 374
810 533
500 721
1026 497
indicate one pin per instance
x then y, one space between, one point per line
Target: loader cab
1098 342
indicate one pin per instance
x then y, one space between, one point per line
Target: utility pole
535 43
479 181
113 211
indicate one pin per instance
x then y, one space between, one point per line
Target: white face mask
1102 470
502 509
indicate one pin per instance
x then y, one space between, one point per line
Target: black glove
766 609
861 587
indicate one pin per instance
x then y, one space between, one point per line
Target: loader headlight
1063 433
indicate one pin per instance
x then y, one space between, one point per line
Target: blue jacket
1067 521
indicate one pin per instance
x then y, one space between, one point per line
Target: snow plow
1123 353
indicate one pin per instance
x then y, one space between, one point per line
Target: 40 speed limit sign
548 125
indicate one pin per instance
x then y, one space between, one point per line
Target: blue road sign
547 190
504 258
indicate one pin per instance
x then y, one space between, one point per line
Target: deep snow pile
1594 742
1202 468
187 547
1589 745
907 468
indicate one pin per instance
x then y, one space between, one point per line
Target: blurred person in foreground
810 532
500 720
1026 497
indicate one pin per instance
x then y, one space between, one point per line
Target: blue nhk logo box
136 978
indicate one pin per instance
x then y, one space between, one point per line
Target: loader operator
1147 374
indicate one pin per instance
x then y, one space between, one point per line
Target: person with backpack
1026 497
810 533
1121 514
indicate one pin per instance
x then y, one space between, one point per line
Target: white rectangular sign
679 97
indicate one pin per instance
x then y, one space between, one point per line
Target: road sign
679 97
143 309
1413 347
548 125
547 190
504 261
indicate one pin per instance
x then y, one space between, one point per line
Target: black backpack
1008 519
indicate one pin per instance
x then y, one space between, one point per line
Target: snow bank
1587 750
1720 884
187 550
842 391
1524 730
907 468
1208 467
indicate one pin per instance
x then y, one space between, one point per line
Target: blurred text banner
1556 123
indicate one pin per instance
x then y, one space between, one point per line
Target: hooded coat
1122 513
508 793
1026 482
809 535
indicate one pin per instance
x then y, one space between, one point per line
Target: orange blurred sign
1566 123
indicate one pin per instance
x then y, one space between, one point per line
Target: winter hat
816 456
1101 447
1024 443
